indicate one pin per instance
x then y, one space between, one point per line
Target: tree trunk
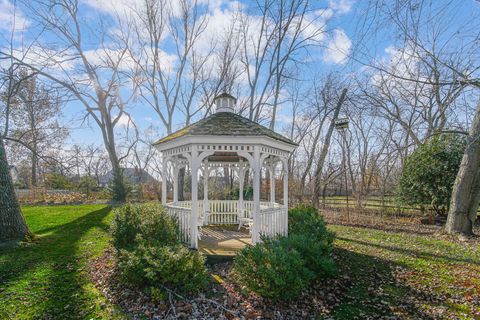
323 154
12 222
466 190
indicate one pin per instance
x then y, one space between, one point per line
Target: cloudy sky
340 23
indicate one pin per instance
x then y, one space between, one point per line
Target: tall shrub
429 173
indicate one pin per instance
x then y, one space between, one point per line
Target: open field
390 273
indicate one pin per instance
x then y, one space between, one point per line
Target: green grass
49 278
444 272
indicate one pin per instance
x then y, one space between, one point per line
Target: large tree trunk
323 154
466 190
12 222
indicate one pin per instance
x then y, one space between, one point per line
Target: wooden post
241 181
272 183
176 169
256 194
285 197
285 184
206 204
194 215
164 181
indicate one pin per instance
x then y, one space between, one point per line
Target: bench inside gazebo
226 140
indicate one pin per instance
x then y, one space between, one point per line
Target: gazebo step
220 245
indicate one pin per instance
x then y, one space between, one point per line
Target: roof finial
225 102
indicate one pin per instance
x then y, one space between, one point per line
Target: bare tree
168 82
35 112
326 146
429 29
96 81
271 45
12 222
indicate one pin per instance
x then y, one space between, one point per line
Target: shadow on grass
411 252
43 279
374 292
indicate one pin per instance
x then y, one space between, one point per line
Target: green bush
280 269
272 270
171 266
133 222
149 252
429 172
304 219
308 234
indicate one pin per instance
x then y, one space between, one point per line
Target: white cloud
125 121
11 17
338 48
113 7
402 62
125 8
340 6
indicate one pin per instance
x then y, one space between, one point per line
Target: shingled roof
225 124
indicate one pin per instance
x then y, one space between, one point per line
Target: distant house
14 173
130 175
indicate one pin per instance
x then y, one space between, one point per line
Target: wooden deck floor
223 241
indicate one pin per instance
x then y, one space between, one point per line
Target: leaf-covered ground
424 276
408 273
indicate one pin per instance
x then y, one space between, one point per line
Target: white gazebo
226 140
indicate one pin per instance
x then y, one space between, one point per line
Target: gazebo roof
225 124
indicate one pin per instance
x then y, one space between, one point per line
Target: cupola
225 102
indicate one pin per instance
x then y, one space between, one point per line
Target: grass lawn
438 277
48 278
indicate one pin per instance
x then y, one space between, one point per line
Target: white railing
273 221
224 211
272 218
182 214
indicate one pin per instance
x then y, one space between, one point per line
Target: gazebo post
176 168
272 182
241 181
194 215
256 193
285 183
164 181
206 205
285 194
